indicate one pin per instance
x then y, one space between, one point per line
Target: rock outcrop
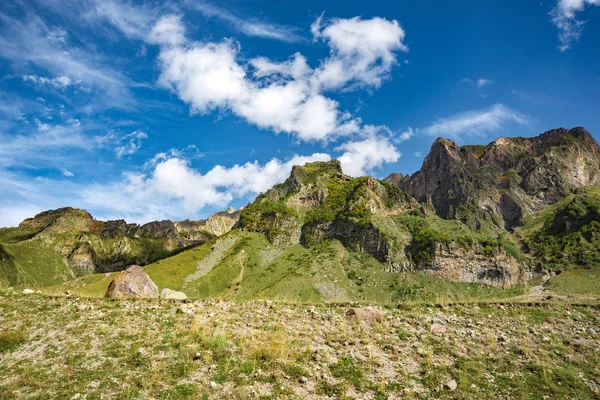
472 265
203 230
60 221
499 184
134 282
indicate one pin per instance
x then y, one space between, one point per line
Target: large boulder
133 282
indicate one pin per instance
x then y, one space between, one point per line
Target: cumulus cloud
563 16
284 96
362 51
476 122
362 156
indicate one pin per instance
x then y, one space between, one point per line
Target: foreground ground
59 347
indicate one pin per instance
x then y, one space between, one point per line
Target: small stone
437 329
591 331
451 385
214 385
545 339
502 338
81 307
183 308
28 291
303 380
197 356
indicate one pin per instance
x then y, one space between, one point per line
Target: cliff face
203 230
499 184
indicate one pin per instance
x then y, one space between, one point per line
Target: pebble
451 385
214 385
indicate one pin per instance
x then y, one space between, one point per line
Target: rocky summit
500 184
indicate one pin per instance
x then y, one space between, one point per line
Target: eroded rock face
203 230
134 282
506 180
454 263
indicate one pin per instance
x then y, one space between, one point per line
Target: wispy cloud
31 42
247 25
122 145
569 27
475 122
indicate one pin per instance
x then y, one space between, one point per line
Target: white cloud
479 83
362 51
123 145
477 122
248 26
284 96
406 135
418 154
41 147
482 82
67 173
61 82
362 156
563 16
168 31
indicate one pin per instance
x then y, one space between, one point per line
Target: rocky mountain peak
60 220
500 183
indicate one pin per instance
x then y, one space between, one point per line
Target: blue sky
153 110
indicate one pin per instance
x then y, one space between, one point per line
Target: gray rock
169 294
451 385
28 291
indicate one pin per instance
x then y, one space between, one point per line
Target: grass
10 340
581 281
240 350
252 268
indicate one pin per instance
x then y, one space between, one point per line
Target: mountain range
475 220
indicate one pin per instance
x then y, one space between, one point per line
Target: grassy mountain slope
59 245
247 266
565 237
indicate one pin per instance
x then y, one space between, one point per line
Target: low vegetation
85 348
